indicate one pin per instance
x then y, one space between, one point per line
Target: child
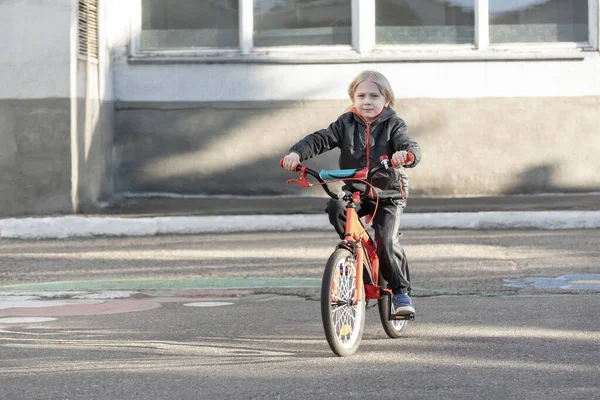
371 120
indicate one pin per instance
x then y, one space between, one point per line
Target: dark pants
392 259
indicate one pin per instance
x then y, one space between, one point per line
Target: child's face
368 100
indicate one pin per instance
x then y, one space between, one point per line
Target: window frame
363 47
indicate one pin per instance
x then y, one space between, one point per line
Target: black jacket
387 134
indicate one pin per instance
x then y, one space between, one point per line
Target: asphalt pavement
501 313
272 347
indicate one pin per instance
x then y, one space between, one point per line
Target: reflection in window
537 21
189 23
425 21
302 22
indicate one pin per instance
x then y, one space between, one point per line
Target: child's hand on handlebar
401 158
290 162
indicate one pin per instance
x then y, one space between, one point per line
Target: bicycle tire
343 322
396 328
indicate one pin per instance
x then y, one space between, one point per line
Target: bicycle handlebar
324 175
303 182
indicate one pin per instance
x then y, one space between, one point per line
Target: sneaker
402 304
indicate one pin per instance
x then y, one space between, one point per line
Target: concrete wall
34 156
56 113
92 138
486 127
35 107
470 146
92 121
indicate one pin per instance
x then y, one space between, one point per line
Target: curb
80 226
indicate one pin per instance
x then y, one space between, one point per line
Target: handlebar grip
410 158
298 167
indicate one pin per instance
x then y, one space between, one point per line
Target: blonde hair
378 79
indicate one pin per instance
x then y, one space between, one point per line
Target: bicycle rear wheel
394 328
343 318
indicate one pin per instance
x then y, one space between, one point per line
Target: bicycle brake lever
302 181
385 161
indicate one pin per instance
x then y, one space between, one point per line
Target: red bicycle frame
357 237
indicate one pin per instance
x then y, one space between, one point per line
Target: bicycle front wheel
343 317
393 328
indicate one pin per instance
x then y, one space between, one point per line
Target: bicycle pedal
402 317
398 317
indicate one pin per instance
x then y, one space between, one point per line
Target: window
424 22
347 29
180 24
302 22
538 21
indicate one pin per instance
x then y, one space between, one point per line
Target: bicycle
346 287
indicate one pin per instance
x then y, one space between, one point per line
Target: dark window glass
302 22
538 21
189 23
425 21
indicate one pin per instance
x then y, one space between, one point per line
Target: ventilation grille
88 28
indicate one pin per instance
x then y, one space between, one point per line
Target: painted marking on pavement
208 304
161 284
571 282
82 308
25 320
15 302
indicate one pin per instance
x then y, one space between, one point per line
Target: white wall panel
243 82
34 61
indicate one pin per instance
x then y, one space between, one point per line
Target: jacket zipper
368 145
368 136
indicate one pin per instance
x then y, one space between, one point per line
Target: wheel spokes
398 324
344 310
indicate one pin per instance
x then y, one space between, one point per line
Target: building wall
92 137
470 146
486 127
56 113
76 133
35 107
